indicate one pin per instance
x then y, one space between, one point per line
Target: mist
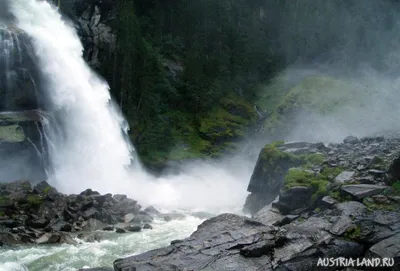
356 42
5 15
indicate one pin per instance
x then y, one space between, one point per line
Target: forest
194 77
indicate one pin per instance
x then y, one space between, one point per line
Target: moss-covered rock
11 133
303 188
269 174
373 205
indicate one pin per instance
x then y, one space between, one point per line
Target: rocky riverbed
307 201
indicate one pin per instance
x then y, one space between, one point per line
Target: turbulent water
88 150
103 253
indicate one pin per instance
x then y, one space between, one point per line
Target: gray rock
230 242
218 244
361 191
328 202
90 213
351 208
351 140
98 269
55 238
388 248
43 188
129 217
38 223
377 172
268 216
142 218
133 228
119 230
286 220
344 177
267 179
394 170
93 225
151 210
9 239
293 198
147 226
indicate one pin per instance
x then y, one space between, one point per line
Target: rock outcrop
94 21
305 170
42 215
334 201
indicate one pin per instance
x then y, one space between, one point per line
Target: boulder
151 210
267 177
133 228
387 248
55 238
360 191
351 140
7 238
294 198
394 170
344 177
93 225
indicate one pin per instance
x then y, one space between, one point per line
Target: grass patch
305 178
353 233
372 206
34 200
335 194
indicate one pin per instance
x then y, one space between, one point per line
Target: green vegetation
308 178
305 178
2 214
4 201
185 73
396 186
11 133
353 233
378 163
373 205
337 195
313 158
34 200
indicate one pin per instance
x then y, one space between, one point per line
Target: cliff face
21 135
95 21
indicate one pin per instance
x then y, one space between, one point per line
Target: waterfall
85 131
86 134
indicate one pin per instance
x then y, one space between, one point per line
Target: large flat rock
361 191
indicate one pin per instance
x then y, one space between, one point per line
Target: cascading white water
90 148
